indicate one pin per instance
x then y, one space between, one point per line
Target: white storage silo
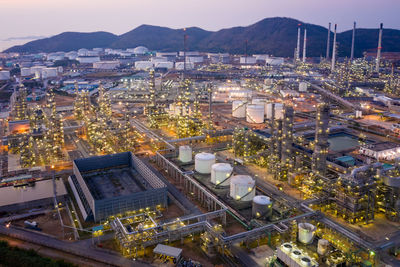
238 109
185 154
296 254
255 113
278 111
303 87
305 261
220 173
203 162
323 246
242 187
262 207
260 101
287 247
306 232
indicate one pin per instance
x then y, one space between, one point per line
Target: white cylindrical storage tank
203 162
306 232
269 110
305 261
238 109
220 173
260 101
255 113
242 187
323 246
296 254
278 111
303 86
185 153
262 207
287 247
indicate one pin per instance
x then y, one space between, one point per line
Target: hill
276 36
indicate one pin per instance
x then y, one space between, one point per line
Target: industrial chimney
328 43
352 42
334 50
298 44
378 54
304 45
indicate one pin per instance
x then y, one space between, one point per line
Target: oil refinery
202 159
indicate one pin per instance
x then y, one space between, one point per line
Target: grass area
16 257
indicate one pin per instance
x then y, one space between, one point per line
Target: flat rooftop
41 190
109 183
382 146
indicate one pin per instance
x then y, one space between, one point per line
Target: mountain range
276 36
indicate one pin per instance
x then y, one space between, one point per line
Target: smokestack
334 50
328 43
184 51
304 45
352 42
298 44
378 54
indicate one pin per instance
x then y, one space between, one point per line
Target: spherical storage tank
262 207
220 173
306 232
140 50
238 109
203 162
242 188
185 153
255 113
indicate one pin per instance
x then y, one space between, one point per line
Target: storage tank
287 247
306 232
296 254
323 246
242 188
269 109
220 173
305 261
303 86
262 207
262 102
185 153
255 113
238 109
278 111
203 162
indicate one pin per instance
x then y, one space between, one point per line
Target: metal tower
321 139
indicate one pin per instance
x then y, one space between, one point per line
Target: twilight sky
20 18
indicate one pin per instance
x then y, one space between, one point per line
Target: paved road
75 248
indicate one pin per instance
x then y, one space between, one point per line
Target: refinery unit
279 164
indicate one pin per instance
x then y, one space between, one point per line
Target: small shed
171 252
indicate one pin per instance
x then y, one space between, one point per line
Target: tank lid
205 156
263 200
222 167
242 179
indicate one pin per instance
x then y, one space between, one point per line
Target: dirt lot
50 224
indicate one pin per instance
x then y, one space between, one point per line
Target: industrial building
106 65
115 184
38 195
